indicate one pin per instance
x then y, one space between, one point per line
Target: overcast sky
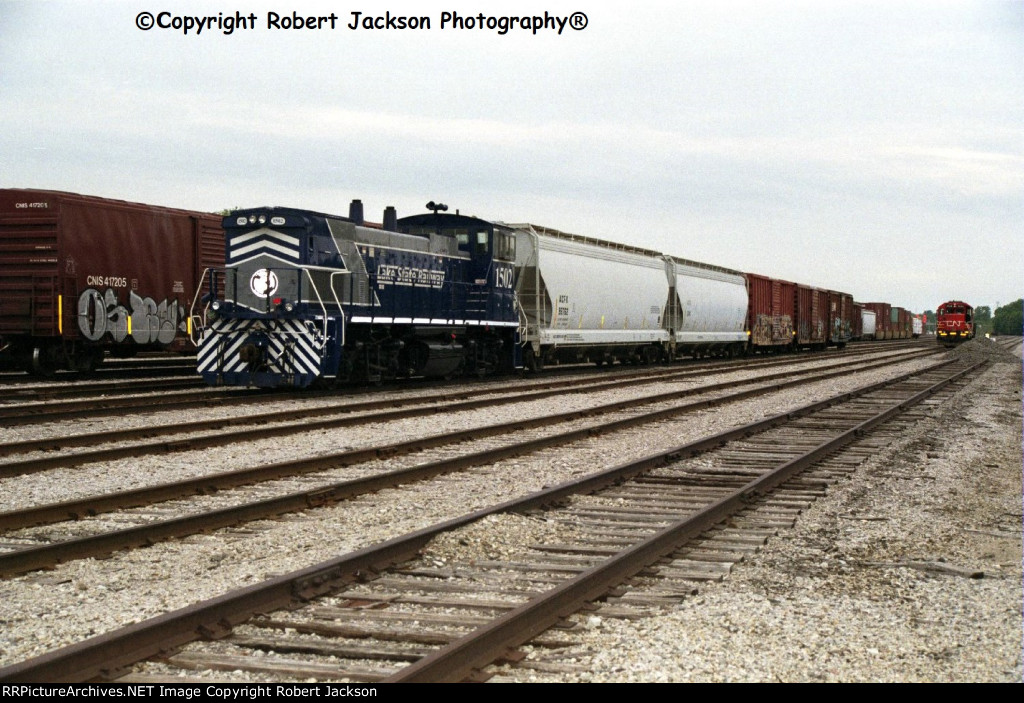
874 148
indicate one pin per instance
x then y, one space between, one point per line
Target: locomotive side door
478 272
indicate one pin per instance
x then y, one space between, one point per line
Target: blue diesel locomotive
308 298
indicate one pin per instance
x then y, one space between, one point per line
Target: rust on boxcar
771 312
82 275
883 319
841 318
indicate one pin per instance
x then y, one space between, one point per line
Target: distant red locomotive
955 323
81 276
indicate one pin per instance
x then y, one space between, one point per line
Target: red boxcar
81 275
812 329
857 322
903 323
771 313
883 319
840 317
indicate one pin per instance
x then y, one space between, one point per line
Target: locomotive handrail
523 326
191 311
319 299
341 310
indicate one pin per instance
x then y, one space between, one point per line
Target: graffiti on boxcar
102 313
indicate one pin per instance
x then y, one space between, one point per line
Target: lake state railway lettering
407 276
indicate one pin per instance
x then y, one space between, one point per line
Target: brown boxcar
883 319
81 275
840 317
812 330
857 322
771 313
902 325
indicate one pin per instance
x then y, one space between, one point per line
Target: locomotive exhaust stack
355 212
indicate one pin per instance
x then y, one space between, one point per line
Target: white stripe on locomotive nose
265 233
211 343
303 355
232 340
310 360
261 245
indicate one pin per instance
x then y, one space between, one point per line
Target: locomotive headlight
289 306
263 219
252 219
215 305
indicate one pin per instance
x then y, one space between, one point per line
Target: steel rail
104 656
421 406
22 414
31 558
104 388
97 504
458 660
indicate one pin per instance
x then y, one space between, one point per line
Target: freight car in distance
81 276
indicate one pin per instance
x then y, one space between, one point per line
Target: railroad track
44 405
27 548
111 368
197 434
666 511
97 389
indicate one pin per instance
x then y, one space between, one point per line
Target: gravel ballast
908 572
833 599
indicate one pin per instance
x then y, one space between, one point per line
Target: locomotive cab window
481 246
504 246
